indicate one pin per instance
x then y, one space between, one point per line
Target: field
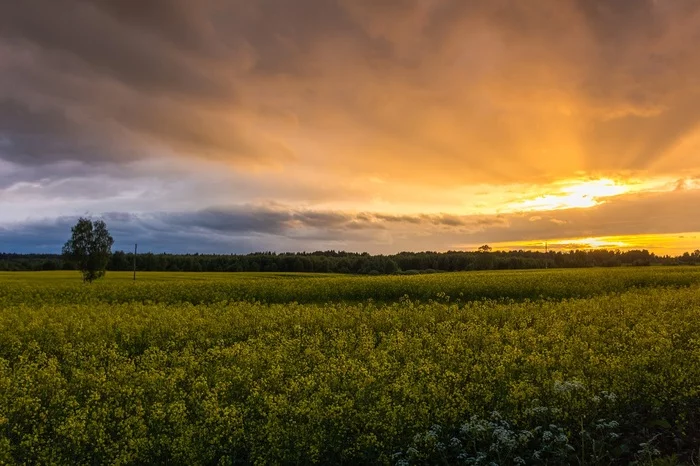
588 366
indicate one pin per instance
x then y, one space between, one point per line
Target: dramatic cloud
423 112
245 228
237 229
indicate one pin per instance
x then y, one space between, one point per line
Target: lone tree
89 248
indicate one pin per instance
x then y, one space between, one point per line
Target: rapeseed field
594 366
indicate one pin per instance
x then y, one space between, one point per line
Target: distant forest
358 263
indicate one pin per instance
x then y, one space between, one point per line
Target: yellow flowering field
594 366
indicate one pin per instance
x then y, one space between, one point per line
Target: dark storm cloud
179 22
250 219
41 236
60 173
48 236
79 81
476 87
237 229
80 30
32 136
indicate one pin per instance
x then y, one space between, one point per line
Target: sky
233 126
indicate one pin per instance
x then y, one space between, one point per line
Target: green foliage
563 367
362 263
89 248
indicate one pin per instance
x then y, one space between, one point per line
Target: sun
574 194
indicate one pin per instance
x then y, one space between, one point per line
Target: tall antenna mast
135 246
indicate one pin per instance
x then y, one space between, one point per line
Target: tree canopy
89 248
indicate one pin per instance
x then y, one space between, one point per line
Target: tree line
356 263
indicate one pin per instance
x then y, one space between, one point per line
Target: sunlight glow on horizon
660 244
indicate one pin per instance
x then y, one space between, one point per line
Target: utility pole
135 246
546 255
